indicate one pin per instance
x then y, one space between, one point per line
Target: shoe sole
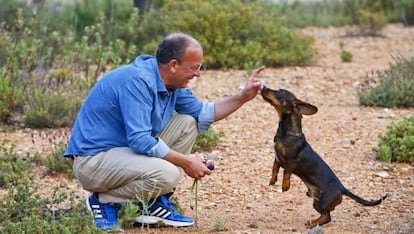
147 219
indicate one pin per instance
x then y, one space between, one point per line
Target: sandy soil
236 198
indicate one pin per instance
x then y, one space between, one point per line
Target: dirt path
237 196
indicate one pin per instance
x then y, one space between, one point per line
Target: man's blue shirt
129 107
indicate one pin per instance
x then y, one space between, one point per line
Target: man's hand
253 86
229 105
192 166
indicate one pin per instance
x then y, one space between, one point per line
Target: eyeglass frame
195 69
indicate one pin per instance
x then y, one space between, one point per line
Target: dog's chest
280 150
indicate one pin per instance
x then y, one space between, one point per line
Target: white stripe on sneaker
161 212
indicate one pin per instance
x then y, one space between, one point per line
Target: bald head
174 46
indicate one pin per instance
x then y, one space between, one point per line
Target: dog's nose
264 89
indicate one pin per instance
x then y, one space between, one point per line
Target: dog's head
286 103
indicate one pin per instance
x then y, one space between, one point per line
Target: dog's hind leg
323 218
324 206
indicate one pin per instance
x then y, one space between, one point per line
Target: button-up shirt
129 107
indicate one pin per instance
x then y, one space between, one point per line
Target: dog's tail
363 201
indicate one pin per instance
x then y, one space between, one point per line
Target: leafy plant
219 224
48 109
397 144
385 153
127 214
395 88
244 38
14 168
369 15
55 162
346 56
24 210
207 140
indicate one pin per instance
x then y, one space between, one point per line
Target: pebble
383 174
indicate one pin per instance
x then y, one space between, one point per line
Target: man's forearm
229 105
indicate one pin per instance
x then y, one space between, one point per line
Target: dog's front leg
286 180
275 171
289 168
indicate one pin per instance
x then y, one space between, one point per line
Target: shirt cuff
206 116
160 149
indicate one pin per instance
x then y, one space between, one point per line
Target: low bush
55 162
245 38
24 210
397 144
395 88
14 168
346 56
207 141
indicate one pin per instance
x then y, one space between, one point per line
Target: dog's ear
305 108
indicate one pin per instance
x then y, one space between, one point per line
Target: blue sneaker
104 215
163 211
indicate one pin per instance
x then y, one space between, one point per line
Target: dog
295 155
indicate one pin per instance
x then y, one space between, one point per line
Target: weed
346 56
127 214
55 162
219 224
206 141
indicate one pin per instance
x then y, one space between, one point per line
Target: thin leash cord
194 190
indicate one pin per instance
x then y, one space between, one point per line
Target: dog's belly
313 191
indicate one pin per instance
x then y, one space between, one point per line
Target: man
134 133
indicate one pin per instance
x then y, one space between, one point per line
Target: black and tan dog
297 157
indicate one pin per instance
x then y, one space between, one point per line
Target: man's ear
305 108
172 65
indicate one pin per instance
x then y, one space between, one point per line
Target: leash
194 190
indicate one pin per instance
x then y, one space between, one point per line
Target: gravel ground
236 198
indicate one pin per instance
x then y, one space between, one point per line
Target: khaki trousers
120 175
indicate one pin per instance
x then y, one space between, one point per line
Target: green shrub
24 210
234 33
207 141
127 214
397 144
55 162
48 109
49 66
346 56
14 168
369 15
395 89
312 13
407 11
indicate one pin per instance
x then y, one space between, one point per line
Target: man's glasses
196 69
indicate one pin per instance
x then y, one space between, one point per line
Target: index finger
258 70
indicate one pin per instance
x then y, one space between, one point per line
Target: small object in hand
209 164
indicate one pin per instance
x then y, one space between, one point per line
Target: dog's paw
285 188
309 224
316 230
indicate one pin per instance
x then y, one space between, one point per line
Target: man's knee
188 121
165 180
